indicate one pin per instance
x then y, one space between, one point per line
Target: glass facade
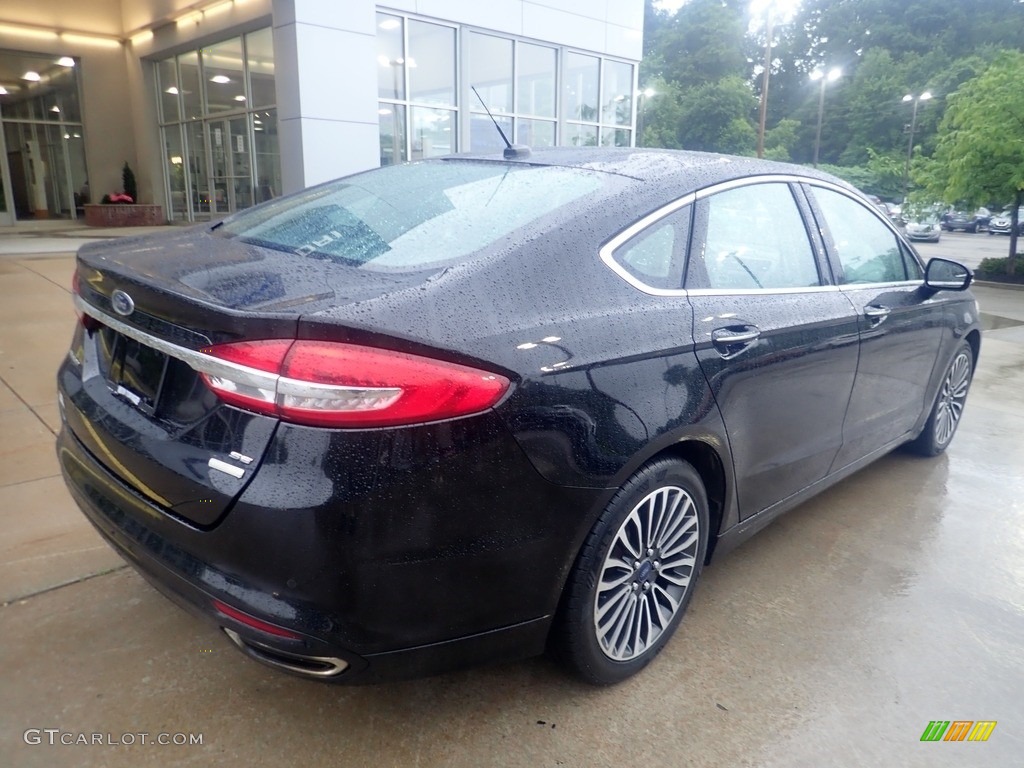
219 127
540 95
41 138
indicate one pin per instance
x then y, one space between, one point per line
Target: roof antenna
512 151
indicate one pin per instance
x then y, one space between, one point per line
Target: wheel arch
705 459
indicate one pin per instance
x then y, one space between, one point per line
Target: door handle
726 337
731 342
876 313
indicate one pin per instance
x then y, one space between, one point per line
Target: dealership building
222 104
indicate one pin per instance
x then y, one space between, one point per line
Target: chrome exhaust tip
300 664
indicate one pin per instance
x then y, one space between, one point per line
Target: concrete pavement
832 638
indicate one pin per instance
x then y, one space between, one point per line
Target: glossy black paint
410 550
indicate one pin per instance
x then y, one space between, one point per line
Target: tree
980 151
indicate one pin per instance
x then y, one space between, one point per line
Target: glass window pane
64 81
615 137
174 164
655 255
189 85
490 71
267 154
168 84
535 133
484 137
431 63
416 215
433 132
577 135
259 52
867 248
392 134
770 249
198 180
536 80
225 84
391 69
579 87
617 106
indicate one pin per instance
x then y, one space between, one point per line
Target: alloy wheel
646 573
952 398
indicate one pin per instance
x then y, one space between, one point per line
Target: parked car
927 229
1003 223
959 220
469 408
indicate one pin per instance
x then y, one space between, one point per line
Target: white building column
325 61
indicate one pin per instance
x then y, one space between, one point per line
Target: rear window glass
412 217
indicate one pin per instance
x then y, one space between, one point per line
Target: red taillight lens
330 384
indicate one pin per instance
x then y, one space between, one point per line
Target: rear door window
755 239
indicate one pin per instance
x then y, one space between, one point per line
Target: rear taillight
330 384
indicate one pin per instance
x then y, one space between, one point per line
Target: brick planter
123 215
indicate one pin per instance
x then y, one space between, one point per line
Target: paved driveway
832 638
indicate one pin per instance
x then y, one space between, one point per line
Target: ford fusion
472 408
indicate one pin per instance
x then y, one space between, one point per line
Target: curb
993 284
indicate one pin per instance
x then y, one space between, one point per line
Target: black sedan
472 408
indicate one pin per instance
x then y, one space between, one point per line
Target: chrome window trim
762 291
607 251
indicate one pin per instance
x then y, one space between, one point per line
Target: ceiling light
172 90
67 135
3 91
30 75
66 61
220 79
239 97
383 111
390 24
55 108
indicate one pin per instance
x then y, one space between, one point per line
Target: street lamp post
763 110
834 74
910 139
641 102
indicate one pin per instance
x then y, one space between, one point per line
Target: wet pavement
830 639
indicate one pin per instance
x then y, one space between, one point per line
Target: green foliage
717 117
129 184
780 140
980 151
1000 269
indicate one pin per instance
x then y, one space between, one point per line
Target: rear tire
635 575
949 404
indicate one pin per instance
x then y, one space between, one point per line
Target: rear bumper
383 614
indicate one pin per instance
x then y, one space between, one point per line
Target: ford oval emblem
122 302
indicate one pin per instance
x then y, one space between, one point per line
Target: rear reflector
330 384
252 621
89 323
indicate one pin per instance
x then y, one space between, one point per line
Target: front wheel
635 575
949 405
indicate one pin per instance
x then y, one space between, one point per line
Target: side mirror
946 275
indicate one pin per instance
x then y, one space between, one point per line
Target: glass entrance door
231 165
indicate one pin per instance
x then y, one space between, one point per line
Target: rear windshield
412 217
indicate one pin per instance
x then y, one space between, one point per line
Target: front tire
635 575
949 404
